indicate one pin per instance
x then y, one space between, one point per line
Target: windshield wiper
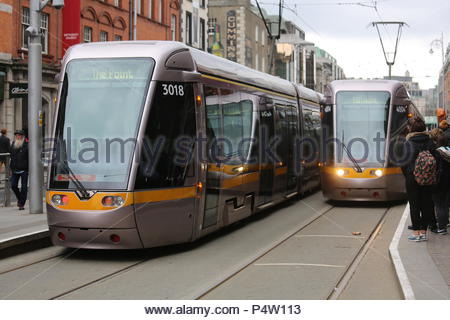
81 190
357 167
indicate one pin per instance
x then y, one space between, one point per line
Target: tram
157 143
365 124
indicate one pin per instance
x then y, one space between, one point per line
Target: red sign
71 24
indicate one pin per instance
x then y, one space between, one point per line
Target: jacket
443 169
415 143
19 157
4 144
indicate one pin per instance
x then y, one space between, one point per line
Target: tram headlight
60 199
340 172
378 173
112 201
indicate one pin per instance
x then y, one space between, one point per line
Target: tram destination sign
18 90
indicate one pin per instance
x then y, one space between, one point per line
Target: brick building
83 21
15 18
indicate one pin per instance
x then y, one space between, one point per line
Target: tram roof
162 50
363 85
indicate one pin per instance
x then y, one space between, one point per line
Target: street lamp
35 101
438 43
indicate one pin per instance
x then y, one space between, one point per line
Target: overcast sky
344 32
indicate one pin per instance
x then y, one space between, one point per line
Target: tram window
169 138
398 130
361 124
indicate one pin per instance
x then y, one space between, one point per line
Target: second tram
364 125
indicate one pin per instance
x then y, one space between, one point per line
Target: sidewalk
19 226
423 268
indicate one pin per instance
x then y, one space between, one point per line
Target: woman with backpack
441 192
420 175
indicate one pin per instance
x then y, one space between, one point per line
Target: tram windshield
361 126
99 112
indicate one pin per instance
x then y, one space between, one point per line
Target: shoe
434 230
21 208
410 227
441 231
423 237
414 238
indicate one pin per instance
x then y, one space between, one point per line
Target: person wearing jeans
19 168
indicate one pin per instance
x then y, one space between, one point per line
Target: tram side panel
165 186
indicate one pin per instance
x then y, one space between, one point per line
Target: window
202 3
150 9
202 34
44 29
256 61
103 36
188 28
263 64
87 34
173 27
263 38
256 33
118 37
161 11
118 3
172 129
139 6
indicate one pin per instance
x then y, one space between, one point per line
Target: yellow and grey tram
364 126
157 143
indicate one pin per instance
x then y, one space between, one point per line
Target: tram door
267 162
214 153
286 129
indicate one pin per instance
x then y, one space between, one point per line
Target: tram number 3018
173 90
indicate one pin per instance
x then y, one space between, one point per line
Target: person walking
441 193
419 195
19 167
4 148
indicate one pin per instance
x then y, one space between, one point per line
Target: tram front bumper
95 238
384 188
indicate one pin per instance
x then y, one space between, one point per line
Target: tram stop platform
423 268
20 227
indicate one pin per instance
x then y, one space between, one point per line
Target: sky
345 31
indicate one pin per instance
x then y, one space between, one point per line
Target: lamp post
35 101
436 43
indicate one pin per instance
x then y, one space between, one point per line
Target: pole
135 20
34 108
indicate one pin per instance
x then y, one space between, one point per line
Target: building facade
15 18
327 69
194 23
238 33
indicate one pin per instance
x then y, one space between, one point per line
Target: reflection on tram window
228 125
362 124
169 140
100 108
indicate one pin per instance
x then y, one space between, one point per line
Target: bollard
7 192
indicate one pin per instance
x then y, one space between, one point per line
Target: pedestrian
19 167
4 148
419 195
443 125
441 192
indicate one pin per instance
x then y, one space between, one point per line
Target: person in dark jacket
19 167
419 197
443 125
4 148
441 194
